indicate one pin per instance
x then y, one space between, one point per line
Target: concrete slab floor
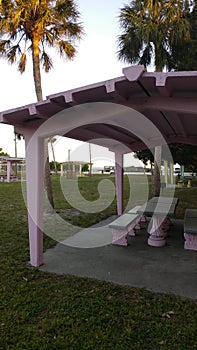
169 269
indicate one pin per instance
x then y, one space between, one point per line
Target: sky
96 60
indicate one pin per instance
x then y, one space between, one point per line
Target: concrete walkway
169 269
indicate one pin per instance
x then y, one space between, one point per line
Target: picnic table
161 209
173 200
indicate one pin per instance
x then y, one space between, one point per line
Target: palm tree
32 27
151 29
184 56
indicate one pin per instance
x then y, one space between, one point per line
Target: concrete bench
124 226
190 229
142 218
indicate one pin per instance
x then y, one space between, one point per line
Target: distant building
134 169
11 168
72 169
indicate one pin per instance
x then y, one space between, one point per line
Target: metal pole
90 155
69 150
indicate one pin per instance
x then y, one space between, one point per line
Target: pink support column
119 180
9 170
35 189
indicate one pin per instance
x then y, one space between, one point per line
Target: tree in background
182 154
185 155
146 156
3 154
184 56
151 28
33 27
55 166
85 168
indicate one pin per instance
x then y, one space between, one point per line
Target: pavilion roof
168 100
12 159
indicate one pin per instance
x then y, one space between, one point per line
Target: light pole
69 150
69 165
15 145
90 155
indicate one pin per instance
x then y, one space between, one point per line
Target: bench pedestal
124 226
190 241
166 224
157 234
190 229
120 236
142 217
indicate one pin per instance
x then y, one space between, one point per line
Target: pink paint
35 189
119 181
119 237
173 93
9 170
190 241
157 235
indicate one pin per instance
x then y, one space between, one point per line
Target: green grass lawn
39 310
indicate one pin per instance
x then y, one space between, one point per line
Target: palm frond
146 55
66 48
130 47
48 38
66 9
3 46
46 62
12 54
22 63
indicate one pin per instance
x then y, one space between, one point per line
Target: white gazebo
134 111
72 169
7 165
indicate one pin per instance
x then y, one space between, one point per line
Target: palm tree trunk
48 184
90 156
156 172
38 89
53 153
36 69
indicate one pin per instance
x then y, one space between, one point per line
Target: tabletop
173 200
157 208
